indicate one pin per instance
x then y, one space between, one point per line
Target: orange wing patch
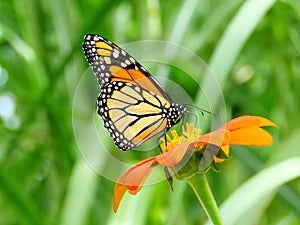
140 79
135 77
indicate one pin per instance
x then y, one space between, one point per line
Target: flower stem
202 190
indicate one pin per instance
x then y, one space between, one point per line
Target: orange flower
244 130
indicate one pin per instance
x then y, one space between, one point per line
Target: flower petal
240 122
225 149
119 192
246 121
263 122
132 180
219 137
253 136
173 156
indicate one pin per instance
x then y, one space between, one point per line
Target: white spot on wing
115 55
107 60
132 60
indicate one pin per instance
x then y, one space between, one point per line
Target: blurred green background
252 47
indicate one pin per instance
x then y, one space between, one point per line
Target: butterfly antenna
202 111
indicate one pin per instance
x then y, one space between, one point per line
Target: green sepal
199 161
214 167
222 155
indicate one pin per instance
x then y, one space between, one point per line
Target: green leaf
230 45
80 194
250 194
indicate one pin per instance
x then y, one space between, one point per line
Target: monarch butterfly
133 105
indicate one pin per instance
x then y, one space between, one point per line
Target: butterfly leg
159 142
182 125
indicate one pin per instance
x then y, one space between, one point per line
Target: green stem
202 190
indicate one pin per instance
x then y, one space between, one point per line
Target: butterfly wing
131 114
111 63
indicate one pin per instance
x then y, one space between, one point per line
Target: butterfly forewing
111 63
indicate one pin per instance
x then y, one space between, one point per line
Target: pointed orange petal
132 180
219 137
218 160
137 175
263 122
239 122
225 149
173 156
253 136
119 192
246 121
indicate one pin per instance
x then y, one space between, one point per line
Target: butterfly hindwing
131 114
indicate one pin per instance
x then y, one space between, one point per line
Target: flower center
189 133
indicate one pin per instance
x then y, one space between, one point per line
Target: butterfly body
132 104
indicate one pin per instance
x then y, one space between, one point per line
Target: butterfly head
174 114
